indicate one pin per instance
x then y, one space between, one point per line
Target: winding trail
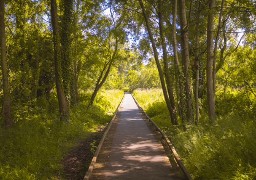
132 150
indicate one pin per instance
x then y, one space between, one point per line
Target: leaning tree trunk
186 61
210 65
103 75
101 80
63 104
166 69
160 71
5 76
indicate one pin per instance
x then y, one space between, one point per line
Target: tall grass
36 145
226 150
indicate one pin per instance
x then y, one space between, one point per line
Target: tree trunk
101 80
63 104
178 70
223 49
103 75
210 61
66 44
166 69
5 76
160 71
197 64
216 44
74 95
186 61
21 53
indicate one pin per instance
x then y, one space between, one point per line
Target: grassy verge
224 151
36 145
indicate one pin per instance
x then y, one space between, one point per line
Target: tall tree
186 60
160 70
5 75
63 104
197 63
66 22
178 70
76 61
210 61
169 84
217 42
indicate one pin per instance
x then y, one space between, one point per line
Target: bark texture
186 60
66 45
210 64
63 104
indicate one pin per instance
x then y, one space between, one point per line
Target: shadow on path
132 150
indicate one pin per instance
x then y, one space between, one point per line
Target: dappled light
132 149
66 64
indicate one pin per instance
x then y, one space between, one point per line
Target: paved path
132 150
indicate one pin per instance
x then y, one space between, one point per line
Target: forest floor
131 149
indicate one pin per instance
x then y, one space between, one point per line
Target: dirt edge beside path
77 161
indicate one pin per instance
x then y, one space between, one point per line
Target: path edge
169 143
96 154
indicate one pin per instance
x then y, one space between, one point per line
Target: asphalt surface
132 150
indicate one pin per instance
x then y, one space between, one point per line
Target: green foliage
232 68
35 146
226 150
236 101
145 76
130 73
145 100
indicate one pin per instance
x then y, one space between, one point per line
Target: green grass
36 145
226 150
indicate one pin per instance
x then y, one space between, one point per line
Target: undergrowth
35 146
226 150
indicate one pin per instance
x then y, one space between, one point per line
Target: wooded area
57 55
